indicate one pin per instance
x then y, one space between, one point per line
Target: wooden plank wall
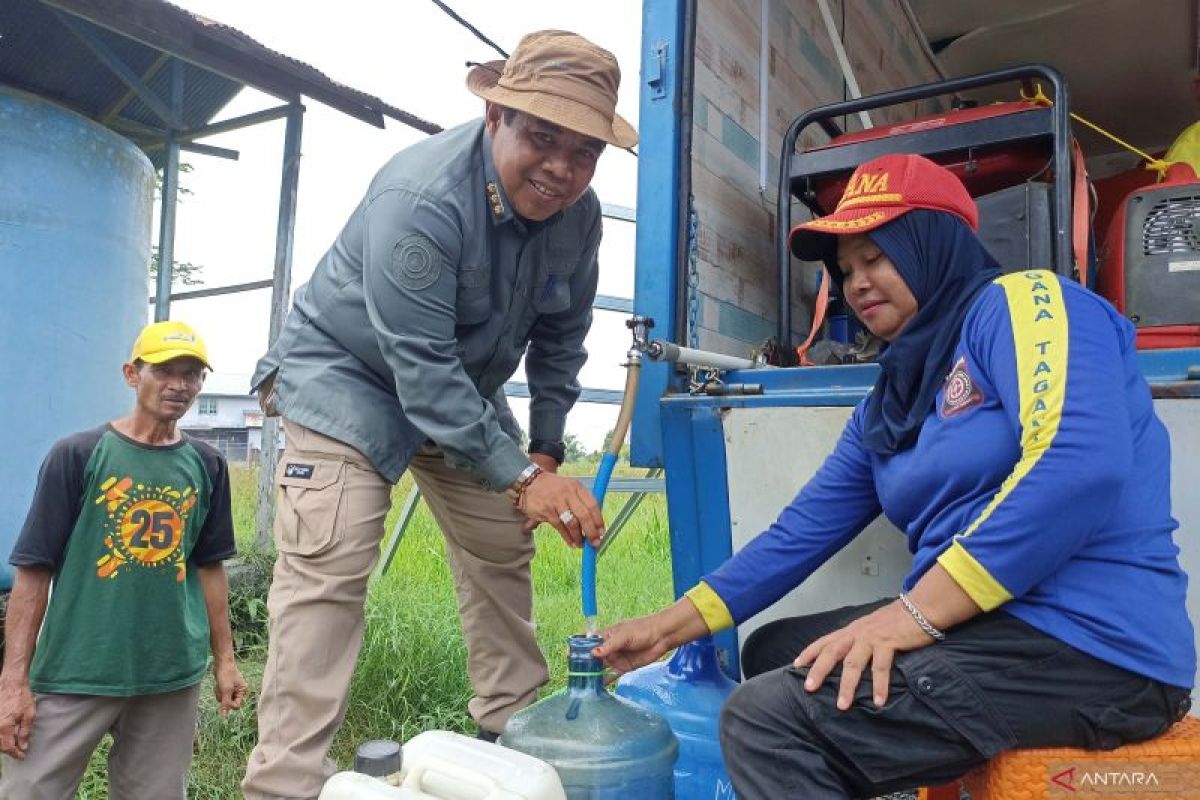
738 308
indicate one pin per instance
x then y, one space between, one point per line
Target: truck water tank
76 202
688 692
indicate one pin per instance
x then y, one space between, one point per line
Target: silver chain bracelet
920 618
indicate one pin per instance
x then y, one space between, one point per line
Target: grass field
411 675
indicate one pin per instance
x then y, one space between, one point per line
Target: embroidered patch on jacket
294 470
417 261
960 392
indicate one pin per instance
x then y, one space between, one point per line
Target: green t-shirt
124 527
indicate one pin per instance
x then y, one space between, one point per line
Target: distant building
227 416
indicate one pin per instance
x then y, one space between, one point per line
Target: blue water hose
603 473
599 488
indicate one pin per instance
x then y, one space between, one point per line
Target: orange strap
818 319
1079 212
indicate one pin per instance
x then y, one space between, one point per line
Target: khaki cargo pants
328 528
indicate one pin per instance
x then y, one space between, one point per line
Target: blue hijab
945 267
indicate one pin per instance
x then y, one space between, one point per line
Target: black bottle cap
378 758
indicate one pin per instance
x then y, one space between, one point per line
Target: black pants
995 683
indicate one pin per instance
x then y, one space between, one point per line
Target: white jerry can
440 765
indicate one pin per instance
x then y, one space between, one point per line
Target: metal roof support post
280 296
170 194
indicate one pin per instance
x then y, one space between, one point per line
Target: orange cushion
1165 767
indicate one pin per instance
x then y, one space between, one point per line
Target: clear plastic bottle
602 746
688 692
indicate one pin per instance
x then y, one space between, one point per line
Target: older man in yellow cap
131 520
468 251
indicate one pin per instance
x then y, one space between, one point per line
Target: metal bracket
656 73
88 35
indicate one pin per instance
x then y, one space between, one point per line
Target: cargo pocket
1130 717
907 737
935 725
309 518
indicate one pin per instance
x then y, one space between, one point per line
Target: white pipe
764 78
669 351
843 60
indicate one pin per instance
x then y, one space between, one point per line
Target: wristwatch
556 450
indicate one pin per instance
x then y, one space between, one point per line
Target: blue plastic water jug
688 691
602 746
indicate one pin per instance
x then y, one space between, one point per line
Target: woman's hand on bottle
642 640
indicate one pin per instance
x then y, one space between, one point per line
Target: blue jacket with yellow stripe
1040 481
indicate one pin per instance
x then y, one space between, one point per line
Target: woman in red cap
1045 606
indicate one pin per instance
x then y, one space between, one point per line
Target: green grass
411 675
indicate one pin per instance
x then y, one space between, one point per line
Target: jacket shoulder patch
960 392
416 259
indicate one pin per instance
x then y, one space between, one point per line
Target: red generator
1015 158
1150 262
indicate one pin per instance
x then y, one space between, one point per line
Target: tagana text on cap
562 78
163 341
879 191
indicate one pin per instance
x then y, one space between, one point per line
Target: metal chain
700 378
693 276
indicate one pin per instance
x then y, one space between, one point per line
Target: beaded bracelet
920 618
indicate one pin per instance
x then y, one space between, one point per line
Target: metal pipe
623 213
210 150
669 351
286 227
608 302
626 513
839 50
764 81
237 123
217 291
686 112
280 293
170 196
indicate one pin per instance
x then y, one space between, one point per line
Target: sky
411 55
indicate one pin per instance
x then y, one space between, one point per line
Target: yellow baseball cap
163 341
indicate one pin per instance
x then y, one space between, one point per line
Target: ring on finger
567 517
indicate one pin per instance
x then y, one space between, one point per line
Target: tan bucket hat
562 78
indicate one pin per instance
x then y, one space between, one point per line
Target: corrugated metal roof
41 54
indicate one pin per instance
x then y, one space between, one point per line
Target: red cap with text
879 191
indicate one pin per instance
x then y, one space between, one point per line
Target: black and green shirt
124 525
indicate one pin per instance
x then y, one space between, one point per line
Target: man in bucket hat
469 250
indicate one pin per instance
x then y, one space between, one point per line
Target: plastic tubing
600 486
